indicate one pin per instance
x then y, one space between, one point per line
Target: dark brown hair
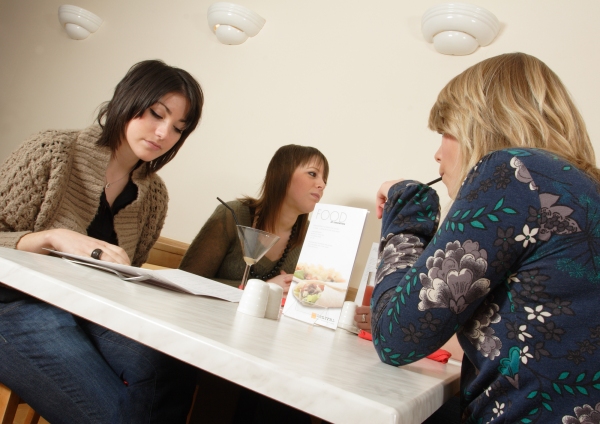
145 84
277 180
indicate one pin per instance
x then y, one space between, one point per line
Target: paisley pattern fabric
514 271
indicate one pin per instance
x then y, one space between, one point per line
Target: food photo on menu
319 286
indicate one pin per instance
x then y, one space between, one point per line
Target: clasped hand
382 196
363 312
284 280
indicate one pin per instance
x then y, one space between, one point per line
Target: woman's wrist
36 241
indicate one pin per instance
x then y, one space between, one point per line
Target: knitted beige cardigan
55 179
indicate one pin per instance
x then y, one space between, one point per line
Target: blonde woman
514 269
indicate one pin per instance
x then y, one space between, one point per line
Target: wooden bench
9 403
166 253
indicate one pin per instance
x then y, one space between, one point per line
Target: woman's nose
438 155
162 130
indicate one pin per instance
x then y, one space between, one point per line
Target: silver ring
364 317
96 253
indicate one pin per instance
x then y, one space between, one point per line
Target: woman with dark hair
294 184
513 270
95 192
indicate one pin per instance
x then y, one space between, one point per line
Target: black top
102 227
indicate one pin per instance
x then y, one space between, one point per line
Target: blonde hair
512 100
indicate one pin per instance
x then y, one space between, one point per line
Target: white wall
352 78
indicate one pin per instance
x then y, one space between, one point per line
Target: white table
333 375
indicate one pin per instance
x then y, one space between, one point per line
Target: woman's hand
71 242
284 280
382 196
362 318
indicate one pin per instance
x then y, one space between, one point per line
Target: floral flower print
537 216
498 409
533 281
473 195
501 174
479 332
522 173
429 322
411 334
575 356
505 238
586 346
525 355
533 277
584 414
472 175
537 313
517 331
455 277
533 291
502 262
489 344
488 391
400 251
553 218
527 236
551 331
485 185
509 366
540 351
560 307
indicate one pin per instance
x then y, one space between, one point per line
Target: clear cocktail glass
255 243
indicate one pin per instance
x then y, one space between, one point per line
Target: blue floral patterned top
514 270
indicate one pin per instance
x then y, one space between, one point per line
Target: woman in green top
294 184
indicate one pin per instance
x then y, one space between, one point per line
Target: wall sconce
459 28
233 24
78 22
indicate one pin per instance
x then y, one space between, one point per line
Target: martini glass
255 243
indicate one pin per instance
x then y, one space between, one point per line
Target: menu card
172 279
320 283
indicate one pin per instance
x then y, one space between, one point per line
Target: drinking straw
429 183
232 212
235 219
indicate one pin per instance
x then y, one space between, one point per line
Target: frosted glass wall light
459 28
233 24
78 22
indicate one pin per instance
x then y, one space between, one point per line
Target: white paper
325 265
173 279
